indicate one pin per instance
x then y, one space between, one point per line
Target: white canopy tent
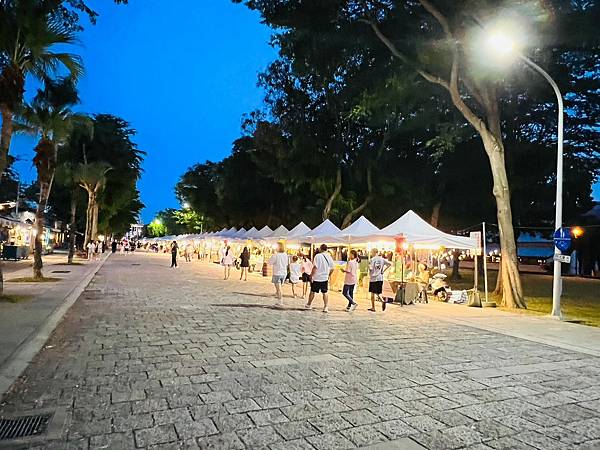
418 232
357 232
264 232
325 232
280 233
298 230
251 233
240 235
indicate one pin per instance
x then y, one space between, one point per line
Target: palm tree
50 117
92 178
29 29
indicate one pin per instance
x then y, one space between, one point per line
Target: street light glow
186 205
501 43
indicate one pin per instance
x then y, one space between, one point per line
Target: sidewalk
541 329
26 325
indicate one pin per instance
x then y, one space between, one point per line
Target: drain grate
19 427
61 271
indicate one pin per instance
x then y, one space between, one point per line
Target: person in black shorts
323 266
377 266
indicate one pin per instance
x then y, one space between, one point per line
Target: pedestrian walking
97 251
350 279
377 267
323 267
279 261
174 252
295 274
306 269
113 246
244 264
188 252
90 250
227 262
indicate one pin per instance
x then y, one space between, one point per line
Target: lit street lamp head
501 43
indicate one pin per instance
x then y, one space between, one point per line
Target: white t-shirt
323 265
279 261
376 267
295 272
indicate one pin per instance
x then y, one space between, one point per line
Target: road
153 357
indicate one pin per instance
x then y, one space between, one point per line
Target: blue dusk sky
181 72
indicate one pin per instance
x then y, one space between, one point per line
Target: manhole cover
61 271
19 427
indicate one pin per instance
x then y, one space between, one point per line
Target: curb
22 356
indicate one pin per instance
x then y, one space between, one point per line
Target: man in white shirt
279 261
377 266
323 267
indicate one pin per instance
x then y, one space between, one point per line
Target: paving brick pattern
156 358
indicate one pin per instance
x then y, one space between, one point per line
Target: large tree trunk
88 220
5 135
40 215
435 214
73 226
512 291
336 191
95 219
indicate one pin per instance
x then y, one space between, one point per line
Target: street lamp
504 45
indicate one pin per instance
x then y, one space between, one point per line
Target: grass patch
34 280
580 300
13 298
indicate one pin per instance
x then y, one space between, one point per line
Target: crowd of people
299 269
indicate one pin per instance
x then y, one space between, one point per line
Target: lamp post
506 46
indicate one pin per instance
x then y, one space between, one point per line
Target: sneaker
326 309
348 308
278 304
371 309
353 307
307 306
383 305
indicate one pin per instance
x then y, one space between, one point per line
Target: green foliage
191 220
156 229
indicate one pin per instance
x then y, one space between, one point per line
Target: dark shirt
245 259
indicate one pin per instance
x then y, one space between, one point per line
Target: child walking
295 274
351 271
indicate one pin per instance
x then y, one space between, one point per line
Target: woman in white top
227 262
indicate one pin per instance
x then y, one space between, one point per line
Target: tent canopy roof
299 230
417 231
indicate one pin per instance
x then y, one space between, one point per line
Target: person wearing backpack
377 267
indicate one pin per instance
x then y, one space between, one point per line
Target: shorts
376 287
305 278
278 279
319 286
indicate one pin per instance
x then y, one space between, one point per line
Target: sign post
562 244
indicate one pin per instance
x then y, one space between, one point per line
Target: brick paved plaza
151 357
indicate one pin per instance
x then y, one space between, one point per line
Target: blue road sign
562 239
